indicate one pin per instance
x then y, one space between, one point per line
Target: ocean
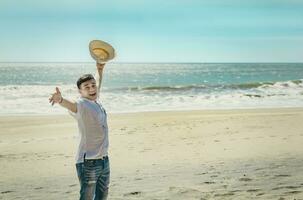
134 87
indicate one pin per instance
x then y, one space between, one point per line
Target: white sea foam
33 99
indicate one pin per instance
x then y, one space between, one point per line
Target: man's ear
79 91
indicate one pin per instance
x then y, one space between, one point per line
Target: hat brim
101 51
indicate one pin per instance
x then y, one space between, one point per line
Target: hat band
98 50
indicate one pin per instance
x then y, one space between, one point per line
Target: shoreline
223 110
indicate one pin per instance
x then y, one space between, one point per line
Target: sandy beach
220 154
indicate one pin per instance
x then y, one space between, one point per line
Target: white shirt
93 129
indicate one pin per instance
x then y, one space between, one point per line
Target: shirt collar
93 101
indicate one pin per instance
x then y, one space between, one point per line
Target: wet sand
231 154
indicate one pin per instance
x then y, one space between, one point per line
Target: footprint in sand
253 190
234 191
293 192
281 175
245 179
224 194
209 182
132 193
292 187
184 191
204 173
155 125
72 185
7 191
286 187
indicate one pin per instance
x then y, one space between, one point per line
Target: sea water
134 87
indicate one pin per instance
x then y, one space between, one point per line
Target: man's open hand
56 97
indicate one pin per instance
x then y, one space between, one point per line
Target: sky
153 30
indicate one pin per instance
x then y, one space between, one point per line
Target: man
92 162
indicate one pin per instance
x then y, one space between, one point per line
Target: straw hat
101 51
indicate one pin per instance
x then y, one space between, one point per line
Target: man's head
87 86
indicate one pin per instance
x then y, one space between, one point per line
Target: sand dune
231 154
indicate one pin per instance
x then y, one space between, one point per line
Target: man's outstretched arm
98 76
57 98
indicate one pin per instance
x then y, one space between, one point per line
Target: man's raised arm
98 76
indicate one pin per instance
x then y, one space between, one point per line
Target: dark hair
83 78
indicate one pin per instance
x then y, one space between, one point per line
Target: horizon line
165 62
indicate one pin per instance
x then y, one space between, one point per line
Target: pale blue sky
153 30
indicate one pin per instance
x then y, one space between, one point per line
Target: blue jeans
94 179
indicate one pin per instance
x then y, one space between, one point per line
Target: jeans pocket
80 171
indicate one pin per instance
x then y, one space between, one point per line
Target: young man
92 162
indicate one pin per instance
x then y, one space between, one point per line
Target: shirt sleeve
77 115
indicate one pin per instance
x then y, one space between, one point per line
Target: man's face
88 89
